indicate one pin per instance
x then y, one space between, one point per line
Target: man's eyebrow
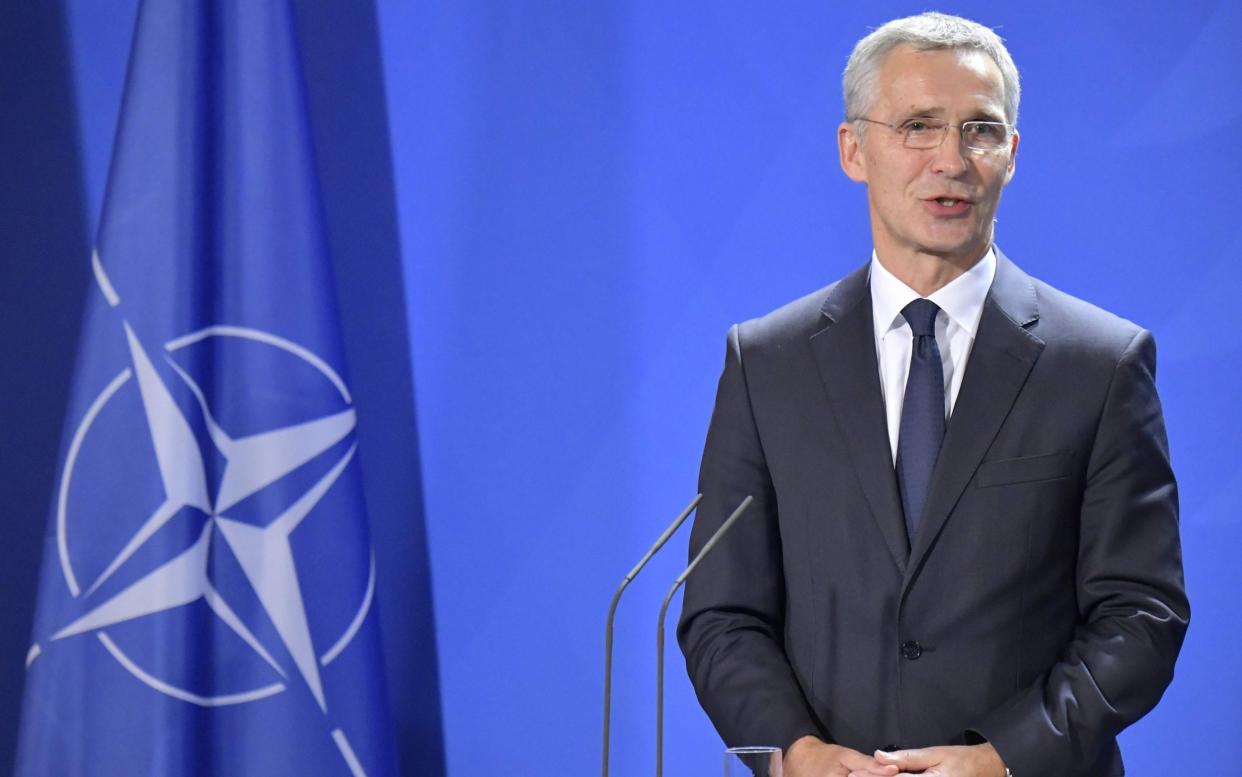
988 116
928 113
983 114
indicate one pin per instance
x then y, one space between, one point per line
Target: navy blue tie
922 413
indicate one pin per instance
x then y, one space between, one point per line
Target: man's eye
982 130
915 125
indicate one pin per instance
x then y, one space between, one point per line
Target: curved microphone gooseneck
612 611
711 543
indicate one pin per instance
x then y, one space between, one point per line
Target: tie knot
921 315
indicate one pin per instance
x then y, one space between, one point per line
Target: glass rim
1003 143
751 749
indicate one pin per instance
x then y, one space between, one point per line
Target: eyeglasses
925 132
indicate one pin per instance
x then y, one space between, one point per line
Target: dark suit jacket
1041 605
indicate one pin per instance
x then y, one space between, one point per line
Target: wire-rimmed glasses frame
924 132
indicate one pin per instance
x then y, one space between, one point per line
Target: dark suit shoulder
798 320
794 320
1069 323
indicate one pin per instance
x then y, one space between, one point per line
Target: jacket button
911 650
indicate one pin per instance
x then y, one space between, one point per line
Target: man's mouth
948 206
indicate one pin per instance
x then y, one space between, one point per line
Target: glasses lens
985 135
922 133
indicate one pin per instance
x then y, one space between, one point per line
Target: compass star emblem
264 552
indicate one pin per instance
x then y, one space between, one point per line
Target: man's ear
1013 158
849 144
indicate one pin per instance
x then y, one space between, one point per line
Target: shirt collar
961 299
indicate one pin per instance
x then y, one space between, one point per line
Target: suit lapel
1000 362
845 355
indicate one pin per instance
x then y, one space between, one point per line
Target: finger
866 765
911 760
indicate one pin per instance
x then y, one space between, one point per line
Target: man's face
938 201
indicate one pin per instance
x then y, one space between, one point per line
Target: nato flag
206 604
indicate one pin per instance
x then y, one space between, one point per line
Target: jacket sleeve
732 624
1133 610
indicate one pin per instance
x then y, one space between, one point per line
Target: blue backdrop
577 200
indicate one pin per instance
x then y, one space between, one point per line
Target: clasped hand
809 757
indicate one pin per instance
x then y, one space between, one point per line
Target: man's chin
957 250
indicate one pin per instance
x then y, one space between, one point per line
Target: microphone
707 547
612 611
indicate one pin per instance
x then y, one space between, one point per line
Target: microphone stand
707 547
612 611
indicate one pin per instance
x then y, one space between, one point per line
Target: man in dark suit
963 558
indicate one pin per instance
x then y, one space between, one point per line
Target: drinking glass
753 762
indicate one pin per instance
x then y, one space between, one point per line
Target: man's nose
950 157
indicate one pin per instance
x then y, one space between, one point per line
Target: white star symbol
264 553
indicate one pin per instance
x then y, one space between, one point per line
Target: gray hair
925 32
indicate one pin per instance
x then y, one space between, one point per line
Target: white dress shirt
961 305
